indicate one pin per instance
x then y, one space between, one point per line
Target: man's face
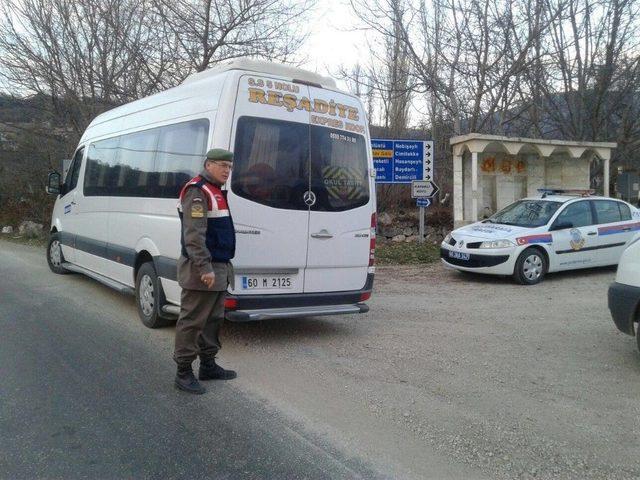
219 170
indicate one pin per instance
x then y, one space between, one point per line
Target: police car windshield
526 213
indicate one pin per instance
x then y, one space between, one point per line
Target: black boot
186 380
209 370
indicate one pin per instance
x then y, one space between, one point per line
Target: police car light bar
566 191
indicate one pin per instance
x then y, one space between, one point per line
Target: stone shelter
490 171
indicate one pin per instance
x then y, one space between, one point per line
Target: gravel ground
460 375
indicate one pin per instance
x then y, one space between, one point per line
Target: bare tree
592 66
586 85
86 55
387 74
358 83
387 80
467 56
203 32
91 55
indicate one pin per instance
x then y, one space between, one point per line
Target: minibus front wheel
55 258
150 297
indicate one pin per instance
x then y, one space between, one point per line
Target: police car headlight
497 244
447 239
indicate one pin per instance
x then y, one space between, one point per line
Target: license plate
458 255
261 282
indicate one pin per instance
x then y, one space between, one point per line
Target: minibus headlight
447 239
497 244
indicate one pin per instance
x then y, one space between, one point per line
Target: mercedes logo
309 198
461 243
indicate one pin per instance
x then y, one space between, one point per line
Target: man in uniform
204 271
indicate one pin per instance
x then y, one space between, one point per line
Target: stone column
474 186
458 199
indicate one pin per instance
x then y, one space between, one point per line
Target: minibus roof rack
263 67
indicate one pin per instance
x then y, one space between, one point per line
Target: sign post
407 161
423 203
423 191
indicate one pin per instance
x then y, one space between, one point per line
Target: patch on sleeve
197 210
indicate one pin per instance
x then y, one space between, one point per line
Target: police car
560 230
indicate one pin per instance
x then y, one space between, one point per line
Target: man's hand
208 279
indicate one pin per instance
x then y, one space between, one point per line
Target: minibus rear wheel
55 258
150 297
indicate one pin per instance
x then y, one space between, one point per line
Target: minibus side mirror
54 185
561 226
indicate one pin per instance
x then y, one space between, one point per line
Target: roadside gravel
451 371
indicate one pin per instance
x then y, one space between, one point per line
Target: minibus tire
150 297
55 261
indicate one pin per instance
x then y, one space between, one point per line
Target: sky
334 40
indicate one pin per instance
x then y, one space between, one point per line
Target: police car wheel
531 267
149 297
55 258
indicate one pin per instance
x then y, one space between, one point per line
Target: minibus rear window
276 162
271 162
339 172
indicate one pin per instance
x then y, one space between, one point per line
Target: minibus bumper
249 308
294 312
623 305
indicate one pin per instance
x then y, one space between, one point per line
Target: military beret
220 154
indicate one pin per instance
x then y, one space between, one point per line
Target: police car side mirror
53 184
561 226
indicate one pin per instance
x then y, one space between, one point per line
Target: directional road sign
423 189
402 161
423 202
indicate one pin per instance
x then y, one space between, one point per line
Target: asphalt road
85 395
449 376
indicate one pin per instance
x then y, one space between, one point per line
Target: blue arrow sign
402 161
423 202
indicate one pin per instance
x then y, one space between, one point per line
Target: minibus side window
180 156
135 169
101 165
271 162
150 163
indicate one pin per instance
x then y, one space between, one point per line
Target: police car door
342 194
270 140
575 236
615 229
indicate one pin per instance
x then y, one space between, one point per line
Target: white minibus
302 193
